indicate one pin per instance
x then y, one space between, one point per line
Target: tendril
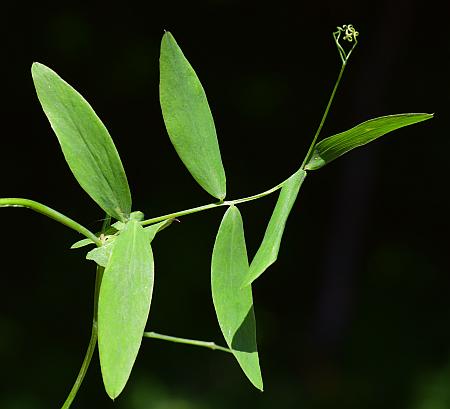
350 35
350 32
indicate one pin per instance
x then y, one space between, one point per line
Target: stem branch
91 347
181 213
324 116
211 206
94 331
52 214
205 344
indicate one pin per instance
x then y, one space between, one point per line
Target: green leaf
331 148
156 228
85 142
118 225
268 250
81 243
124 304
137 215
188 119
101 255
233 304
110 231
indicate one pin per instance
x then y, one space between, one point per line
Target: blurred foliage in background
355 313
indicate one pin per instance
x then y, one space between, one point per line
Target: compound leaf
331 148
270 245
86 144
124 304
233 304
188 119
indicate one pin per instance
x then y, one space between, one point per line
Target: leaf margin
248 361
317 160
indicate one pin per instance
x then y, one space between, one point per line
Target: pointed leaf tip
337 145
86 144
268 250
188 119
124 304
233 305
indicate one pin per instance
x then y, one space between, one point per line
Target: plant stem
181 213
205 344
94 331
324 116
257 196
211 206
52 214
92 343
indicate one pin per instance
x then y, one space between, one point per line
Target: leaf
188 119
331 148
110 231
138 216
156 228
124 304
81 243
85 142
268 250
118 225
101 255
233 304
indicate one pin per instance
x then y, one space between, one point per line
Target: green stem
94 331
211 206
92 343
52 214
205 344
345 56
181 213
324 116
257 196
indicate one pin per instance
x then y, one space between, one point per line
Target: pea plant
122 249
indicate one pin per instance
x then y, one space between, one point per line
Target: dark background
354 314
